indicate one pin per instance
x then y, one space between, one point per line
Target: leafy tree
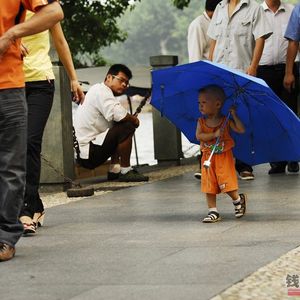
181 3
91 25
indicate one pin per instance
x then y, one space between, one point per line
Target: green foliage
91 25
181 3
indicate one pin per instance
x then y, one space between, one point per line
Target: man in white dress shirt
104 129
198 40
272 65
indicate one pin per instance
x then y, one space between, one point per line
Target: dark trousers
273 76
241 166
13 127
99 154
39 96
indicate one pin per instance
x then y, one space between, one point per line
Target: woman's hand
77 93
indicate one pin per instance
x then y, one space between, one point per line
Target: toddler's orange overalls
221 176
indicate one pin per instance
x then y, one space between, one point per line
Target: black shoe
212 217
293 167
112 176
7 252
133 176
198 174
277 170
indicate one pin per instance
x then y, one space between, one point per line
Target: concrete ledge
82 173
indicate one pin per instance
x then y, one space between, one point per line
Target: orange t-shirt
11 65
225 143
221 175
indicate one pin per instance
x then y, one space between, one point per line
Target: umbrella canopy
272 129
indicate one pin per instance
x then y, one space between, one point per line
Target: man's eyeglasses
122 80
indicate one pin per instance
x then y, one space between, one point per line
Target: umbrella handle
207 163
142 104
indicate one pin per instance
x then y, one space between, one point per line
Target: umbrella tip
206 164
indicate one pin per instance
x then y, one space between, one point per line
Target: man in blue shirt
293 35
272 67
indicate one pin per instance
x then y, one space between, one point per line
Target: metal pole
134 138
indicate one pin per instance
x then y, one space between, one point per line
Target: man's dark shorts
100 154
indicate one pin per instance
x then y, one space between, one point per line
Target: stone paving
268 282
53 199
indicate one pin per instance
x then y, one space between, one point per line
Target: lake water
145 144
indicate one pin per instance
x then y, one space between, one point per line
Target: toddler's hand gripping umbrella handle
207 163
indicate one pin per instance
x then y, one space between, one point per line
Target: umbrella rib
162 91
250 92
243 92
250 117
243 96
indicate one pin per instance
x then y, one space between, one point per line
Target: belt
272 67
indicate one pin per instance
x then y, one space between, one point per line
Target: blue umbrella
272 129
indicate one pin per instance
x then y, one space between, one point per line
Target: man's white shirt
275 48
198 40
95 116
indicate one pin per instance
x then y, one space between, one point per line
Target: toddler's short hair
215 91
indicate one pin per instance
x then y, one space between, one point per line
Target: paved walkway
148 242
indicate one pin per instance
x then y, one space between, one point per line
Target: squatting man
104 129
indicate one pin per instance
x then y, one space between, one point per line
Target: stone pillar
167 138
57 147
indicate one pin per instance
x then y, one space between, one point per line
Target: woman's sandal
212 217
28 224
38 218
